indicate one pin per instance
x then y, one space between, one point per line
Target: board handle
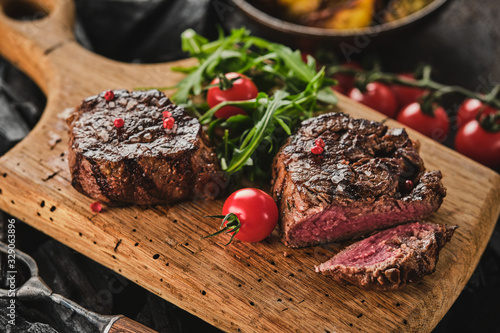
31 29
127 325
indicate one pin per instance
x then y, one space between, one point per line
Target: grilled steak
141 162
392 258
369 177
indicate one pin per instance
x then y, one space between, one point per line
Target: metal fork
36 288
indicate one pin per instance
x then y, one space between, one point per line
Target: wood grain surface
127 325
263 287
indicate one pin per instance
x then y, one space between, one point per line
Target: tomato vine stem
438 89
233 226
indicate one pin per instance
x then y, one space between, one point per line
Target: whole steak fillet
141 162
390 259
369 177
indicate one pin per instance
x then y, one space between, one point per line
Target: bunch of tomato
475 138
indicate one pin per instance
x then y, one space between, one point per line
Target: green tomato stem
233 226
426 82
225 83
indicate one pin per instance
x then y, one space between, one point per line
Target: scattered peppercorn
109 95
316 150
319 142
119 122
167 114
96 207
168 123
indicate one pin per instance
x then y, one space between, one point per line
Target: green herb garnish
291 91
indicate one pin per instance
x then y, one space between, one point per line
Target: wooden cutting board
242 287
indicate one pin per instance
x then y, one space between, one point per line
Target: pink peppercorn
168 123
119 122
316 150
96 207
109 95
319 142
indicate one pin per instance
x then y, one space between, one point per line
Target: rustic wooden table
462 44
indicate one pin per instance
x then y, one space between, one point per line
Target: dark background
462 43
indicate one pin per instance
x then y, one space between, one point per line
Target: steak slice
141 162
369 177
390 259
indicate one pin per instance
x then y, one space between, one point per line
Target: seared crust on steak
356 186
142 162
390 259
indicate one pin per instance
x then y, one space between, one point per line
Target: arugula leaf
284 125
291 91
254 138
192 42
294 61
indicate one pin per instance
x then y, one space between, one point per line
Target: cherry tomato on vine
249 214
483 146
469 109
378 96
239 90
345 81
406 95
435 127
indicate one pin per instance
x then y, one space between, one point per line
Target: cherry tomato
345 81
242 89
482 146
469 109
435 127
256 211
378 96
406 95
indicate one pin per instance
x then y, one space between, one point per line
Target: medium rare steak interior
368 177
120 150
392 258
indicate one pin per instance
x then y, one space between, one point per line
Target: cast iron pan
301 36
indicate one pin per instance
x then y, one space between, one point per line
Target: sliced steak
369 177
390 259
141 162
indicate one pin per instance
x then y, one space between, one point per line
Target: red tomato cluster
402 102
397 101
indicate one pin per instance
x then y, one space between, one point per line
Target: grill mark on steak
390 259
141 162
99 178
355 187
134 168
